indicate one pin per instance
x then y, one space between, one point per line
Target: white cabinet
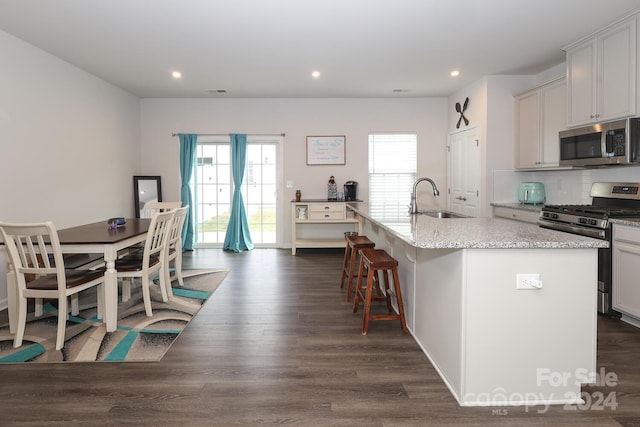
601 75
626 269
540 114
320 224
464 172
530 216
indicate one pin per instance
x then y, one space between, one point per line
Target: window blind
392 172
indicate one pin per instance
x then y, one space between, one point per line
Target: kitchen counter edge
633 222
519 206
422 231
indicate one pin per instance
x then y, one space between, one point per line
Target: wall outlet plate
528 281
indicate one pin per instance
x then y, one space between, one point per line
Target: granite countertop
633 222
423 231
520 206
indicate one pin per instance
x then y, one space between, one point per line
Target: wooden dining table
100 238
97 238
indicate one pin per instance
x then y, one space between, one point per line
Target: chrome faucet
413 208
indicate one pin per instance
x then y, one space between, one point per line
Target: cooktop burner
608 200
595 211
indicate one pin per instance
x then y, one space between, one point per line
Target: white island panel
406 256
519 342
438 312
491 343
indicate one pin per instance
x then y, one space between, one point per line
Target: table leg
110 291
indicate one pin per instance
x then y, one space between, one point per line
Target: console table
320 213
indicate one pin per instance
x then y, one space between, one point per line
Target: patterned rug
137 338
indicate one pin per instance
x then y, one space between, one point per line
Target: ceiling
268 48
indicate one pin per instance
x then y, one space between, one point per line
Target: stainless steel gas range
609 200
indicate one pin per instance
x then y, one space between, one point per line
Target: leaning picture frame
326 150
145 189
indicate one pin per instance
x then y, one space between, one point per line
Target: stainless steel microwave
611 143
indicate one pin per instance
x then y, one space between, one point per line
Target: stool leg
376 285
354 258
345 264
358 297
396 283
385 275
367 301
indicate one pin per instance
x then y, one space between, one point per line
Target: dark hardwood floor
278 344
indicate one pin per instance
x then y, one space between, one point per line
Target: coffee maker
351 191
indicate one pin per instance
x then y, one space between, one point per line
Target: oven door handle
583 231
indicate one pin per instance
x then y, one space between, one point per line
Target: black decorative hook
461 111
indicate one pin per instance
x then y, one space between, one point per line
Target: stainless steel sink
441 214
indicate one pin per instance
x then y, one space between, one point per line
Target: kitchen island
492 343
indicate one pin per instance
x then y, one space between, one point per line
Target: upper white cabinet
539 116
601 75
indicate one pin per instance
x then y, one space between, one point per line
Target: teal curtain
238 238
188 148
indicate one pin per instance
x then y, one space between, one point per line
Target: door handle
464 199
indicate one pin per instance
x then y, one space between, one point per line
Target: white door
464 172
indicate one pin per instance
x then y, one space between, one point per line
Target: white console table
320 213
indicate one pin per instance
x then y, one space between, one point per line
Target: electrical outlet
528 281
289 184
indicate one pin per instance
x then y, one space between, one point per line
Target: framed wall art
326 150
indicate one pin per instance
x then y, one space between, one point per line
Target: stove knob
593 222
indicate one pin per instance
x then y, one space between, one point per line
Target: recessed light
176 74
455 73
315 74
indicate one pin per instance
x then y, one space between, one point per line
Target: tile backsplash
561 187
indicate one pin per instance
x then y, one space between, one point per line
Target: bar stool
354 244
376 260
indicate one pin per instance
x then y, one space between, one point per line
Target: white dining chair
150 209
38 266
151 262
174 248
153 207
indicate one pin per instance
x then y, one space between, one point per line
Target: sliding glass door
212 188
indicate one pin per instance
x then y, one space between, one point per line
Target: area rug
137 338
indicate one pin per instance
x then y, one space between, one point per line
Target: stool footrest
384 317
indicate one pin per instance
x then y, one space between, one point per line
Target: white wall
68 142
297 118
491 109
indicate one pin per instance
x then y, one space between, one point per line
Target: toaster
531 193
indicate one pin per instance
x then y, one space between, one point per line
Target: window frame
390 183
